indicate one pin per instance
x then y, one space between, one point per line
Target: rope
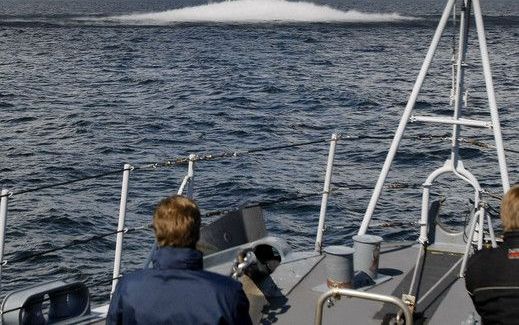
264 203
335 190
227 154
383 225
184 160
72 243
112 172
473 142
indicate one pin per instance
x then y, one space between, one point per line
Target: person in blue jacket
176 290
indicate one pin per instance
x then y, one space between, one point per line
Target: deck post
326 192
120 226
191 175
3 218
188 179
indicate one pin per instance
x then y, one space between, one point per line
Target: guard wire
335 190
35 189
184 160
208 157
264 203
72 243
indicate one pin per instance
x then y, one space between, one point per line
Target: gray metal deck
298 307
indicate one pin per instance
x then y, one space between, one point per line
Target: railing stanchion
326 193
3 218
190 174
120 226
188 179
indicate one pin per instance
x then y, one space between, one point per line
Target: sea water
86 86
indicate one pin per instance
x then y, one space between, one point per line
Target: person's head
176 222
510 209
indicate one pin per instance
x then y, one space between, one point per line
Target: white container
339 266
367 252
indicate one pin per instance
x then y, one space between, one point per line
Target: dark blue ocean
87 86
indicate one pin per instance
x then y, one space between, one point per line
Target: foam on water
258 11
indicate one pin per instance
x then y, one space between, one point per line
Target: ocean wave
243 11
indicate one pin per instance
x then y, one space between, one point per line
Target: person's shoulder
486 254
135 276
483 262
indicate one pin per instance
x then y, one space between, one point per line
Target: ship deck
396 263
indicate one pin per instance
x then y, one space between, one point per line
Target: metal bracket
410 301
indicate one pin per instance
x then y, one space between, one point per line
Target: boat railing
336 292
186 188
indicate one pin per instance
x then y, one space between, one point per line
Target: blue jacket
178 291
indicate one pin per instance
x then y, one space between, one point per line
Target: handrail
185 160
188 179
361 295
3 218
120 226
326 192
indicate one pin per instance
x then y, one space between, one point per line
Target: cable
64 183
74 242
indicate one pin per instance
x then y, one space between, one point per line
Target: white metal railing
326 193
361 295
188 179
3 219
405 118
457 93
185 187
120 226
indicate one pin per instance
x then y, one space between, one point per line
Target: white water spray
252 11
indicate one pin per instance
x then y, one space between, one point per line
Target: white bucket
339 266
367 252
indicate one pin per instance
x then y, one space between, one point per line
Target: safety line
72 243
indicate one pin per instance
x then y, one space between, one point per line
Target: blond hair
510 209
176 222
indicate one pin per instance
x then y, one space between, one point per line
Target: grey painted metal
339 264
405 118
448 120
120 226
443 283
326 193
491 95
367 253
362 295
54 298
3 219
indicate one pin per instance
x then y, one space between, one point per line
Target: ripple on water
127 94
